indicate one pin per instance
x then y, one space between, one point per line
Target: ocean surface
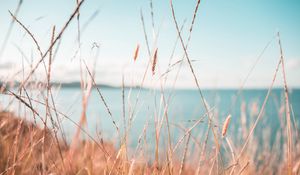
145 108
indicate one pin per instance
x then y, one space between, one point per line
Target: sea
139 114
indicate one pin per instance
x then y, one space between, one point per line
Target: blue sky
228 36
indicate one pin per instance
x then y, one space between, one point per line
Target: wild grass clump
33 140
21 144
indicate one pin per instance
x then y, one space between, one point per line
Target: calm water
185 106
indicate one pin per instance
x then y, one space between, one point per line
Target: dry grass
29 147
21 153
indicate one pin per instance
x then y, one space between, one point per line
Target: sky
227 39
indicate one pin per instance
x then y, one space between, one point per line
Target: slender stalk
3 46
194 75
287 112
184 154
260 114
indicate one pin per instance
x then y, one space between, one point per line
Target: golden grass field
30 148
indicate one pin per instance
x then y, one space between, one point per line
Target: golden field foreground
27 149
226 145
24 147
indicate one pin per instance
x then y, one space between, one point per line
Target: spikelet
154 61
136 53
226 124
